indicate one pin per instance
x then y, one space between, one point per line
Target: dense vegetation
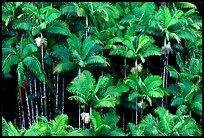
103 68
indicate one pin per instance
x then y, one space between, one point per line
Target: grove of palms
102 68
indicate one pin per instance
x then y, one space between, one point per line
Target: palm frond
101 81
152 82
165 16
87 46
177 101
68 9
9 61
29 49
156 93
96 59
96 119
34 65
64 66
59 123
7 43
173 72
105 102
150 50
58 27
185 5
79 99
22 24
51 15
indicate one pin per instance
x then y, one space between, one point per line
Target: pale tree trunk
79 73
54 90
63 94
136 99
36 96
44 88
49 97
57 94
28 109
164 72
31 102
19 115
125 73
41 100
23 116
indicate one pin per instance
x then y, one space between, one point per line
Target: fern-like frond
88 44
177 101
185 5
51 15
59 123
64 66
58 27
150 50
79 99
22 24
105 102
34 65
156 93
96 59
29 49
9 61
173 72
152 82
68 9
96 119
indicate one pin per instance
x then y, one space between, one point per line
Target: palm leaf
51 15
87 46
156 93
96 59
29 49
59 123
77 98
150 50
173 72
9 61
152 82
177 101
101 81
105 102
58 27
34 65
165 16
22 24
96 119
185 5
64 66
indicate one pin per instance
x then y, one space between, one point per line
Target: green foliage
165 124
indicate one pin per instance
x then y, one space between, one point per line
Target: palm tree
23 56
144 48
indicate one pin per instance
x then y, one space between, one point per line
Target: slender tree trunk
125 70
166 81
31 101
136 100
57 94
164 71
54 91
49 97
23 116
19 115
28 108
90 110
36 96
79 115
79 74
63 94
44 87
41 100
